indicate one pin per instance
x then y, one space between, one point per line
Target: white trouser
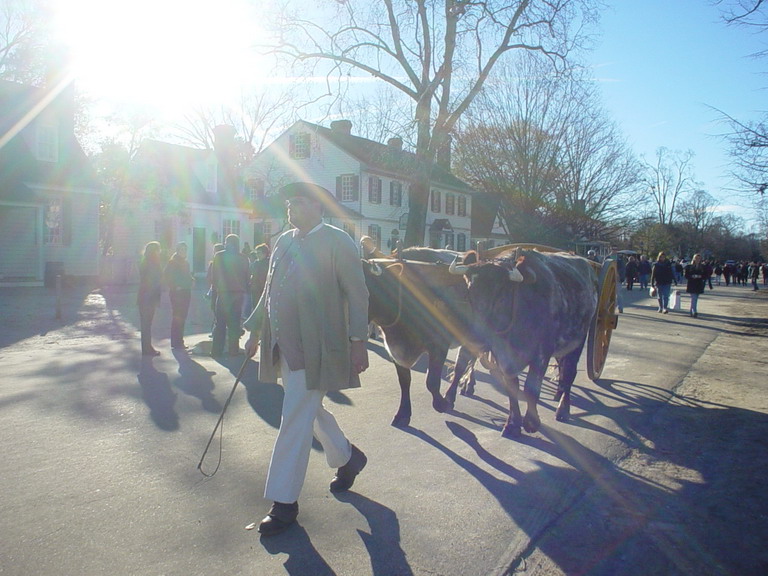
303 417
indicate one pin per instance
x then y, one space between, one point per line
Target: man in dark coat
230 274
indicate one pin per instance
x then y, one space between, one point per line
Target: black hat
307 190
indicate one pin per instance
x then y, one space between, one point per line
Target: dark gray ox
420 308
527 307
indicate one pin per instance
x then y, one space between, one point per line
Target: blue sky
663 65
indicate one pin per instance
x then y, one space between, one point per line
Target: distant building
177 193
49 193
199 196
369 182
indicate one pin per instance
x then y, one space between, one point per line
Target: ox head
492 287
517 270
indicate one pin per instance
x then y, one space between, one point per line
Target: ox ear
468 259
526 273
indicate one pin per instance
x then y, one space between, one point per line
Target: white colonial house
177 193
369 180
49 193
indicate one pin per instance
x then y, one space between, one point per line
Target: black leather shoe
281 517
345 476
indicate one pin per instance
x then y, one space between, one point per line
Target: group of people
741 273
236 279
658 277
153 277
663 276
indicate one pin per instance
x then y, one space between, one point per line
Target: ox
420 308
527 307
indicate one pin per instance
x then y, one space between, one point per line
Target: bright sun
168 54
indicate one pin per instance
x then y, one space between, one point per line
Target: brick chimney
342 127
226 156
395 144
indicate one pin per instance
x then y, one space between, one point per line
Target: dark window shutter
356 187
66 221
292 145
338 187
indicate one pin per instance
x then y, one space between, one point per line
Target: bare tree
112 164
667 180
543 145
22 41
439 54
254 120
748 144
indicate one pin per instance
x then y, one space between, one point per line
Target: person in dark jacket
230 273
696 276
662 277
644 272
150 290
179 280
631 272
259 270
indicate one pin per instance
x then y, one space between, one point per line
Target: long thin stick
221 419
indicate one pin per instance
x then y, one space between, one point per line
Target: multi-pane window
374 190
299 145
230 226
462 211
266 229
395 193
255 189
347 187
461 242
449 241
374 231
47 143
450 203
436 201
54 223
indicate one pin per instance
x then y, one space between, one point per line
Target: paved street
100 451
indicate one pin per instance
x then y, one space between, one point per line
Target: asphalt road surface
100 451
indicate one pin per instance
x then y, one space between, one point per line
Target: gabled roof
20 170
384 157
176 170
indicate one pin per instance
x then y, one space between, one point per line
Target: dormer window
47 143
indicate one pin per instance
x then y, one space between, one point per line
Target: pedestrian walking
644 272
150 290
259 270
311 324
662 277
230 273
179 280
754 274
630 272
695 275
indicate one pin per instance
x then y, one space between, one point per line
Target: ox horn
458 269
376 270
515 275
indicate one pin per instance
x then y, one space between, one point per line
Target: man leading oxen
527 307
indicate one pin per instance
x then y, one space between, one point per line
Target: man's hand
252 344
358 355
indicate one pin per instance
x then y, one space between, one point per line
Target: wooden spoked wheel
605 321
